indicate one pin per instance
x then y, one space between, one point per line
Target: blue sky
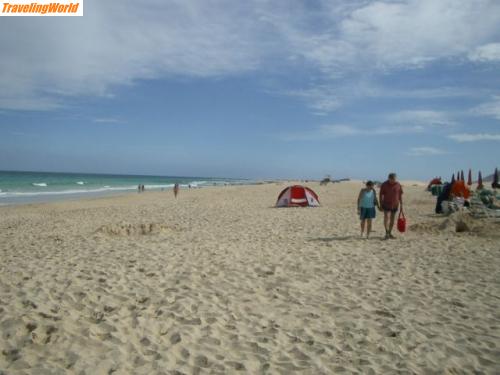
257 89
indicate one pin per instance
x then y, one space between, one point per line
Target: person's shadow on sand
341 238
335 238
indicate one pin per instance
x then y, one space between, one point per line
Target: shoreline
50 197
17 187
54 197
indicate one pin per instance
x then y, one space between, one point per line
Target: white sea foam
200 182
158 186
80 183
14 194
7 196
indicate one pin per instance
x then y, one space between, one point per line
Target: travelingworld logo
42 8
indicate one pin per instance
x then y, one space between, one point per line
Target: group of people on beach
390 202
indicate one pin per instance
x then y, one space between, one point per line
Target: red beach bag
401 222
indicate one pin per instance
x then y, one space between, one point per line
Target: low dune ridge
220 281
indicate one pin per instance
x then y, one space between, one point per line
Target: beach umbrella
479 180
453 178
469 178
462 175
495 184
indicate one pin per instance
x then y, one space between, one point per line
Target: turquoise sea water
25 187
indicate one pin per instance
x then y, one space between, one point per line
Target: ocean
32 187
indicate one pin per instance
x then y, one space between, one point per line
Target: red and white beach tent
297 195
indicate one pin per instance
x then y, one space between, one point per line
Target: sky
254 89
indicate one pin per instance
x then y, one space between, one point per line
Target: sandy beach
218 281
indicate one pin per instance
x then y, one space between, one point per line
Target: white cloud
364 38
467 137
422 118
389 34
412 122
399 129
320 99
324 99
108 120
486 53
338 130
425 151
426 93
491 108
323 132
118 43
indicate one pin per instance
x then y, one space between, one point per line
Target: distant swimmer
176 190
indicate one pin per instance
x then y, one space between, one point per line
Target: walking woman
367 201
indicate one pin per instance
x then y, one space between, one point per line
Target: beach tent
479 180
453 178
462 177
469 178
297 195
495 184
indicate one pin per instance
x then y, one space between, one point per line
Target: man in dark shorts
391 199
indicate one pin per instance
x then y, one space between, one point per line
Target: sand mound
458 222
125 229
424 227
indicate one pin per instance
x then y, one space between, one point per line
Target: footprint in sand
201 361
238 366
385 313
27 303
299 355
175 338
31 326
185 353
11 355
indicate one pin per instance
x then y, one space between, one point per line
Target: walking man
391 199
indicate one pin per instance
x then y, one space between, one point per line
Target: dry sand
218 281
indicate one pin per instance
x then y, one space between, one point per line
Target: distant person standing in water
176 190
367 201
139 188
391 199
